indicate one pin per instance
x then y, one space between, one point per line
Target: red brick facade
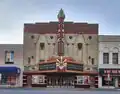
69 27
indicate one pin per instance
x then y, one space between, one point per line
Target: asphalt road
57 91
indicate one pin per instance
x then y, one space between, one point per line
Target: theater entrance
60 81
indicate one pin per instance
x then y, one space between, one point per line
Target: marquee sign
75 67
109 71
51 66
61 63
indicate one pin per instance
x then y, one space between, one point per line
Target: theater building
11 65
60 53
109 61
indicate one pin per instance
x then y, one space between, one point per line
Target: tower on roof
61 14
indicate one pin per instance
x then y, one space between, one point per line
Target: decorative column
37 53
100 57
119 57
70 49
53 48
110 57
29 80
60 33
99 82
116 82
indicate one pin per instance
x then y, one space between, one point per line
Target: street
57 91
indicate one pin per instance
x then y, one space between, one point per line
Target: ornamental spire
61 14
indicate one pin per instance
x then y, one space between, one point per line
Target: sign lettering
110 71
77 67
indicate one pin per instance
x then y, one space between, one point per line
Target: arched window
115 55
106 55
42 46
79 46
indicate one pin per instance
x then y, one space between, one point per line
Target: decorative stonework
61 63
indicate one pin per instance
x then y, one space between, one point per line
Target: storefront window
7 79
37 79
119 81
82 80
106 82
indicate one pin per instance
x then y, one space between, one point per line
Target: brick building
60 53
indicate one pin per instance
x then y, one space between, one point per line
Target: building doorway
60 81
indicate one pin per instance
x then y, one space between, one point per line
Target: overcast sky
14 13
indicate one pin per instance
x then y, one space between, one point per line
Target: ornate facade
61 48
109 61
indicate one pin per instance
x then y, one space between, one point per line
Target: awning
9 70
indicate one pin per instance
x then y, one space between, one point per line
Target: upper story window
32 57
29 60
9 57
42 46
51 37
70 37
105 58
93 61
79 46
89 37
115 58
32 37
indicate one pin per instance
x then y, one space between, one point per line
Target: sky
14 13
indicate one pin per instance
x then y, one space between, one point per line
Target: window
7 79
115 58
92 61
32 57
42 46
37 79
106 83
105 58
90 37
9 57
89 57
83 80
51 37
79 46
29 60
70 37
32 37
80 80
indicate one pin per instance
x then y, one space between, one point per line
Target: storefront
109 78
59 74
9 76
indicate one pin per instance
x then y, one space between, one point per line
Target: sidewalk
73 89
